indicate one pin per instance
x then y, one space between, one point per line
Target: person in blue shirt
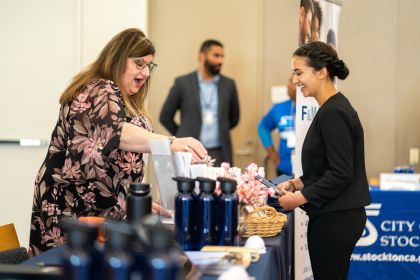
282 117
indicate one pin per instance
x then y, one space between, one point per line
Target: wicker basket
269 225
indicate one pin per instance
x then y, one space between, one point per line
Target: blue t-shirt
282 117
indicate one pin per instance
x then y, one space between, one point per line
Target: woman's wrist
298 183
302 198
171 140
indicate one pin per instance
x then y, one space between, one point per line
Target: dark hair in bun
321 55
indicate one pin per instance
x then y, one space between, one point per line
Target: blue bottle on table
162 261
206 209
185 213
77 262
228 210
118 259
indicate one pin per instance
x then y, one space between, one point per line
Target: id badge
208 118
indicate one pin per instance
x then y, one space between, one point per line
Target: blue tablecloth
390 245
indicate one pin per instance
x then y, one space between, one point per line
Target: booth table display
275 264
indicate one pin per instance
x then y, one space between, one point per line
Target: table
390 245
275 264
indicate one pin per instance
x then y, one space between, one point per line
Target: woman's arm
136 139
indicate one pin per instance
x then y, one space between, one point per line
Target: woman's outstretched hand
189 145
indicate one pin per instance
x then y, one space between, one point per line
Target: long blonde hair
110 65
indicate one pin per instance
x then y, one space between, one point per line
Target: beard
213 69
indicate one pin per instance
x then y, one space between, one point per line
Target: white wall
43 44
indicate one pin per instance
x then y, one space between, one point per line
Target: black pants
331 240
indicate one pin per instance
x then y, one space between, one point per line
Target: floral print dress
84 172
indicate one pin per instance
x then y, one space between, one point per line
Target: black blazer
333 160
185 96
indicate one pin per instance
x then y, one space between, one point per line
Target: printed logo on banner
309 112
390 244
370 234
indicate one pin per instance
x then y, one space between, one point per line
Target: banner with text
390 244
318 21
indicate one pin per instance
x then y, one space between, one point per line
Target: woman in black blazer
333 189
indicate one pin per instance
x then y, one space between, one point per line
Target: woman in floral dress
97 144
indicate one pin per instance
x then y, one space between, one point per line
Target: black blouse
333 161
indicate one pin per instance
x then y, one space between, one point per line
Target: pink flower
89 197
71 171
50 209
225 165
94 144
249 190
121 202
131 163
119 210
79 104
55 235
252 168
91 186
271 192
80 189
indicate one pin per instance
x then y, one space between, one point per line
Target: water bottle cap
119 235
79 234
185 184
228 185
206 185
139 188
161 238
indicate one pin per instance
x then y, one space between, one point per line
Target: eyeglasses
141 64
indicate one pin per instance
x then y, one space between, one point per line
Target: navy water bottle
228 206
206 209
139 202
77 257
184 213
162 261
118 259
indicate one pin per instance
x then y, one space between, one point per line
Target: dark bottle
118 260
139 202
184 213
162 260
228 206
138 247
77 257
206 210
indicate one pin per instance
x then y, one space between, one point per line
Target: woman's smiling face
137 71
304 76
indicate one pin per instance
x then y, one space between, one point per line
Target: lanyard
207 97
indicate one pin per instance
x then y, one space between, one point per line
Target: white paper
182 163
400 181
163 165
